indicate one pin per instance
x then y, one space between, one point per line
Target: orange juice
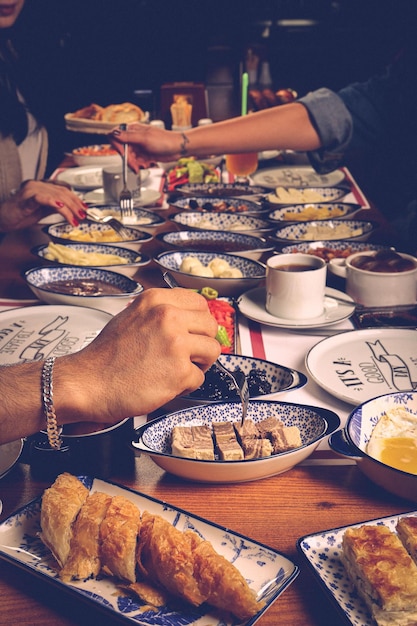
242 164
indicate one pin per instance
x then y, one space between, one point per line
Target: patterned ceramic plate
221 205
322 551
268 572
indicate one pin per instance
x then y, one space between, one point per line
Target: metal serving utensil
96 216
125 198
238 378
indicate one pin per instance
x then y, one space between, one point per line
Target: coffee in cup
295 286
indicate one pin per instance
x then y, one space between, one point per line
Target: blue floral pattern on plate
131 256
322 551
232 205
248 267
267 571
55 231
190 237
222 221
338 246
297 232
290 212
41 276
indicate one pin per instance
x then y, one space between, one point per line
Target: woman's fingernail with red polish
59 204
82 214
75 222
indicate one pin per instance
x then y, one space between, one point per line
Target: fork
125 198
238 378
95 216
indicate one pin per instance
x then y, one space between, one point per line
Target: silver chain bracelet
52 429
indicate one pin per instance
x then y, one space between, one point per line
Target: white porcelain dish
252 305
230 242
37 332
292 213
82 231
95 127
248 224
253 272
41 281
267 571
82 178
9 456
362 364
134 260
296 176
346 230
352 441
322 551
98 154
221 204
148 197
315 424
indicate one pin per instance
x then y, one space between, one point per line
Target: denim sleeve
333 122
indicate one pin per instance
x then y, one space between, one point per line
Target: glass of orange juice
242 165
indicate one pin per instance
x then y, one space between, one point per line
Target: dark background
82 51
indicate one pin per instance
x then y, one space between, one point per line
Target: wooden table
275 511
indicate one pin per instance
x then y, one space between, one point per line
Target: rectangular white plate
322 551
268 572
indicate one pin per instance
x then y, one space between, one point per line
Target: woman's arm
284 127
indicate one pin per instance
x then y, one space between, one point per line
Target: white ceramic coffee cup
295 286
113 183
371 288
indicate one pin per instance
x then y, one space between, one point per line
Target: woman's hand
36 199
147 144
156 349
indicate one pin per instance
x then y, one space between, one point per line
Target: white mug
295 286
377 288
113 183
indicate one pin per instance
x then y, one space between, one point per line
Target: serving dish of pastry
147 581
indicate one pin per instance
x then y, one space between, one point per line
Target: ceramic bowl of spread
82 286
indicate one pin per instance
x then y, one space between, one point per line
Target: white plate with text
358 365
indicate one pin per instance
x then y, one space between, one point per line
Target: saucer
252 305
147 197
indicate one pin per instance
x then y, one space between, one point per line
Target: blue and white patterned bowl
219 189
253 271
265 380
353 230
134 259
235 222
292 212
221 204
217 241
315 423
55 231
329 194
353 439
39 278
340 248
143 219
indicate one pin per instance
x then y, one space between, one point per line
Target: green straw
245 82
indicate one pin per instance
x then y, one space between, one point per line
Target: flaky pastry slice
84 556
221 582
383 573
119 534
407 532
61 504
164 557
